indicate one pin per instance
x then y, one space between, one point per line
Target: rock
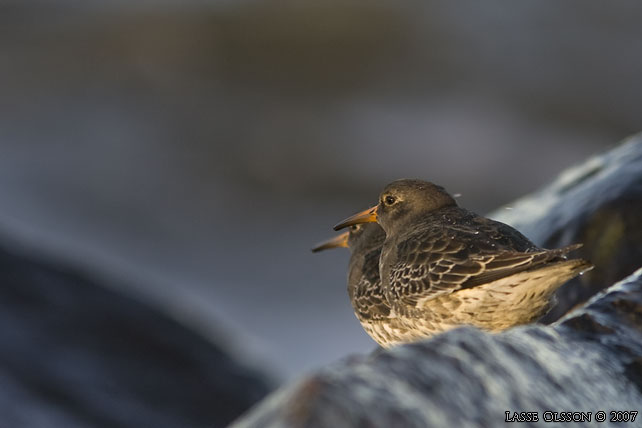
597 203
75 354
588 362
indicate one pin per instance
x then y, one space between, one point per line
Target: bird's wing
445 262
369 302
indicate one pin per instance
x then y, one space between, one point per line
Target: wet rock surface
587 362
597 203
76 354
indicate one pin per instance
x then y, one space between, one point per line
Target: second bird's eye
389 200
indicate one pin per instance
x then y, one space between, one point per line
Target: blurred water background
197 150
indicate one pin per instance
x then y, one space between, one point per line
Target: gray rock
76 354
597 203
591 361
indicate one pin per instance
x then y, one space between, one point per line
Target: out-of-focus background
196 150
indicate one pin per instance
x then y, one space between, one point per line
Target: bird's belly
392 331
495 306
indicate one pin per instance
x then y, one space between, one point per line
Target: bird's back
452 250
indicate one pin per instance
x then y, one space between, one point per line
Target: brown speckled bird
443 266
364 285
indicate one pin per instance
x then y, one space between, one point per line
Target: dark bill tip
366 216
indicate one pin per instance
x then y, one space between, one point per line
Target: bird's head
360 236
400 202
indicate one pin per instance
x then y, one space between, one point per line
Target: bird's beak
337 241
367 216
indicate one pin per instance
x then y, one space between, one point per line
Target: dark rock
598 204
76 354
468 378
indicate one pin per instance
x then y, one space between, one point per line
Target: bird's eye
389 200
355 227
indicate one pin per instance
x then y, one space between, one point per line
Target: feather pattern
364 287
455 249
